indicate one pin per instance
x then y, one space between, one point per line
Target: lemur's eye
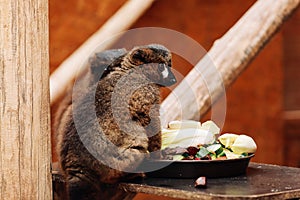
164 70
161 67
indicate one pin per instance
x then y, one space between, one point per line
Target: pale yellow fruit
243 144
211 127
177 157
184 124
231 155
227 139
186 137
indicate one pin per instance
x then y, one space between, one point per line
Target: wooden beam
25 150
229 56
119 22
291 115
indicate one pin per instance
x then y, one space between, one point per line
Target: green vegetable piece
213 156
220 151
221 154
244 154
185 154
202 152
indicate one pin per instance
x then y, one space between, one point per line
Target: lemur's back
119 115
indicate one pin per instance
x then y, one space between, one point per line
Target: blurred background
264 102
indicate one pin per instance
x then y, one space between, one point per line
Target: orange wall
73 21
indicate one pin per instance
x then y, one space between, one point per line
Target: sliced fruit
192 150
230 155
243 144
184 124
221 158
211 126
178 157
214 148
202 152
186 137
227 139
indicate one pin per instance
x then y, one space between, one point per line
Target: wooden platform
262 181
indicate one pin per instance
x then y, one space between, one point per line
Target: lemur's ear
101 60
140 55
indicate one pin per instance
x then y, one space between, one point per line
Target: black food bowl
196 168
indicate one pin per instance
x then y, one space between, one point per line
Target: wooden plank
291 115
119 22
25 154
262 181
230 55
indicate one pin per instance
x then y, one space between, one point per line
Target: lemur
99 148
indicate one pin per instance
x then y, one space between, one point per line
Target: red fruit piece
192 150
188 158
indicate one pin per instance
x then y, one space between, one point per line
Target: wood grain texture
262 181
230 55
25 154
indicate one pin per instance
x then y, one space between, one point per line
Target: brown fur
126 100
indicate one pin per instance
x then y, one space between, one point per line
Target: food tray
196 168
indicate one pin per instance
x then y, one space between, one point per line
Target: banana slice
227 139
243 144
211 127
184 124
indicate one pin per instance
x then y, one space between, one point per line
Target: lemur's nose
170 80
173 80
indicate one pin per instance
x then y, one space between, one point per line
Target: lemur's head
155 62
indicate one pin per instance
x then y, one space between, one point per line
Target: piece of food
187 140
177 157
192 150
200 182
243 144
186 137
189 133
227 139
215 148
184 124
202 152
211 127
231 155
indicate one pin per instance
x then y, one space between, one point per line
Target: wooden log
118 23
230 55
25 151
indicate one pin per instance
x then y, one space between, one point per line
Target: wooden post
230 55
25 150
